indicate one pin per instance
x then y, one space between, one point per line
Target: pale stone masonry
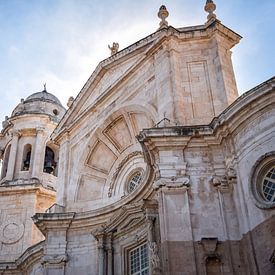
157 167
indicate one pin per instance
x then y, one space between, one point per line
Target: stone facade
157 157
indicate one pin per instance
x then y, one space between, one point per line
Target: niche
26 157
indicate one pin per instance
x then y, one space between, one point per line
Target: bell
48 167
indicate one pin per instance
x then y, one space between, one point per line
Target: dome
40 103
44 96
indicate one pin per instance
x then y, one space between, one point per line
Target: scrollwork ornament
154 257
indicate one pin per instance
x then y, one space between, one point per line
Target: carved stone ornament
225 181
210 7
163 14
219 181
154 258
210 247
11 231
174 182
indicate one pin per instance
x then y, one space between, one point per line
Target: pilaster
38 156
176 233
13 154
55 227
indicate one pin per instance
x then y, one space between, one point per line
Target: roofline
209 129
189 33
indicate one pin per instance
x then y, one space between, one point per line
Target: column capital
40 130
173 182
16 133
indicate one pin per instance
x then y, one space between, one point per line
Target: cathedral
156 167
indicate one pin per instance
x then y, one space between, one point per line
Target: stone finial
163 14
210 7
70 101
114 48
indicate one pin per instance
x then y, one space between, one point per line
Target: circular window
134 181
268 185
55 112
263 181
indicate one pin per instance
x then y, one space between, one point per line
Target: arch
5 162
26 159
110 148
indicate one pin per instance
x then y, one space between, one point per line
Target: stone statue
70 101
114 48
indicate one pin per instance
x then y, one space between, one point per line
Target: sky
60 42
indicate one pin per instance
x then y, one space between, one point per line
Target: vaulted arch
110 155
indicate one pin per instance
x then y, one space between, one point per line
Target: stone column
101 256
38 154
13 155
110 254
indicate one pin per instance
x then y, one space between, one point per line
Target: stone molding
120 166
173 182
11 231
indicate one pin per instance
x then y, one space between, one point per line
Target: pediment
126 219
104 80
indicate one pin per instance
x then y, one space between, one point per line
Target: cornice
227 122
148 46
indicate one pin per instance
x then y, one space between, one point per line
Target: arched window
5 162
134 181
26 161
49 162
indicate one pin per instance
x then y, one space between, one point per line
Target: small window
139 260
55 112
134 181
268 185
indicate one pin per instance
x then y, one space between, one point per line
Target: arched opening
5 162
49 161
26 160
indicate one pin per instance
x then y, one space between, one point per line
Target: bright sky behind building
60 42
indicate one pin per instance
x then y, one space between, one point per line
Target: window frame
129 178
127 259
259 172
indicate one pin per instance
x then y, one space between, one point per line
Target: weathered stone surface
150 153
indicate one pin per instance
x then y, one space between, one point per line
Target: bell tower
28 172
